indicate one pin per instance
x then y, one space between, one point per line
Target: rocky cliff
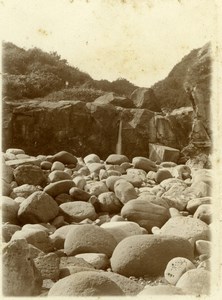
81 127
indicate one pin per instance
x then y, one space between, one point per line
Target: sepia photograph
111 148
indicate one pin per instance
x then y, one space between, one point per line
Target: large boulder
141 255
20 276
89 238
88 283
77 211
147 213
38 207
29 174
160 153
111 98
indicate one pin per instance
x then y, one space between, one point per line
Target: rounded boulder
65 157
146 213
86 283
89 238
141 255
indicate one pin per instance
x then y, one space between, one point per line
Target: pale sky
140 40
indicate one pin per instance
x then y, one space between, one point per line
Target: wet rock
86 283
141 255
82 240
20 276
38 207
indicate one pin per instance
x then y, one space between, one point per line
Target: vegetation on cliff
34 73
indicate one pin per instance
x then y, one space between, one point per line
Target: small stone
98 260
203 247
176 267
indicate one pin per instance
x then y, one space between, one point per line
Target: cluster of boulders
86 227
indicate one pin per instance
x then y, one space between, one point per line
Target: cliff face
83 128
41 127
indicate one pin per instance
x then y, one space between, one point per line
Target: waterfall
119 141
